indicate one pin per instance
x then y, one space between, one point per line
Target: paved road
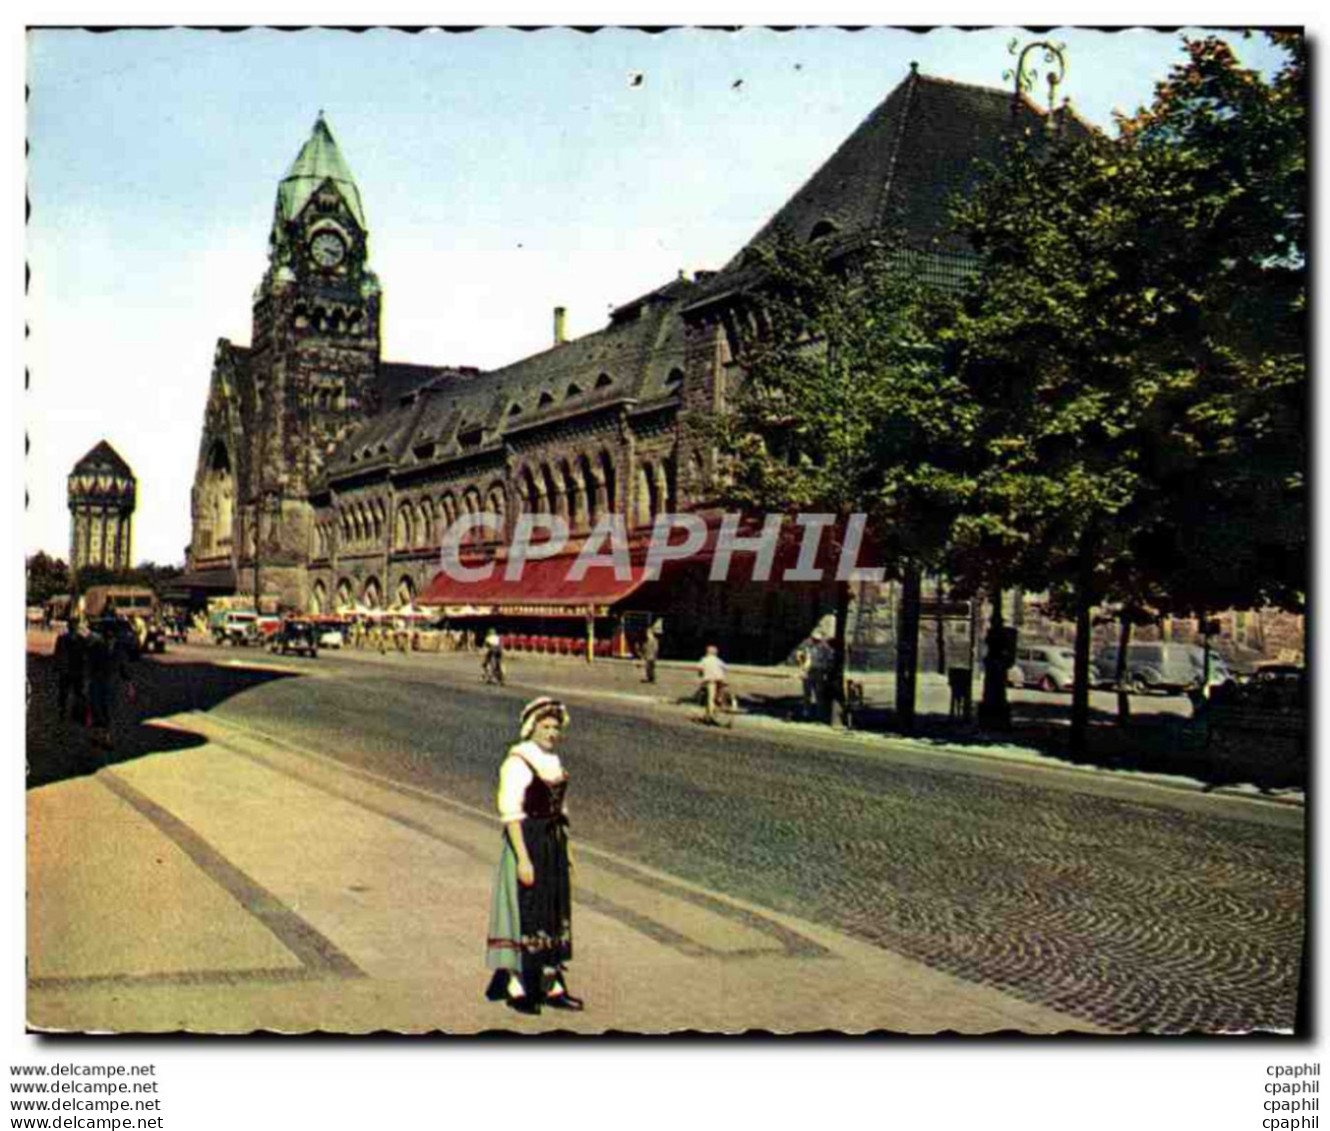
1143 909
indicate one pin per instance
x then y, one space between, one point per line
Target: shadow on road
59 747
1149 742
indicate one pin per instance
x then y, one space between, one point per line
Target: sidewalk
246 884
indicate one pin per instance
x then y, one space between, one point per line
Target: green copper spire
319 160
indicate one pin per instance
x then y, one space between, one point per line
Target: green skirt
530 928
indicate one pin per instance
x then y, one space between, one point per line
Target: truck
234 626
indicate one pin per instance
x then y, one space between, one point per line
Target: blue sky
503 173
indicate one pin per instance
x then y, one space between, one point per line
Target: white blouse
515 775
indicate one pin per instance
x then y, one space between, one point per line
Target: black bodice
544 800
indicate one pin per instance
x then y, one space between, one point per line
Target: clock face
327 249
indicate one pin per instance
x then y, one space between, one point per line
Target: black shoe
524 1005
566 1000
497 990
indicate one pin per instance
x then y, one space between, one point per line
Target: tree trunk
941 625
907 648
1120 675
1080 689
838 665
994 710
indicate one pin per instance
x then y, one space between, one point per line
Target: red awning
544 589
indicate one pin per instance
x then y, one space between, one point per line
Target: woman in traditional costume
530 929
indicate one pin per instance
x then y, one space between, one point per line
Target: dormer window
822 229
516 410
604 381
574 390
675 380
471 438
546 400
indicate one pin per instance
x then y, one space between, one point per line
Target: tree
46 577
843 410
1134 340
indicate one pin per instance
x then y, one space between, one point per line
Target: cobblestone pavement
1144 915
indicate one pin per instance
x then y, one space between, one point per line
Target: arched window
554 500
573 496
402 533
406 592
609 481
669 470
590 490
645 508
426 519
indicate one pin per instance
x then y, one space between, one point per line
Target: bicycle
491 668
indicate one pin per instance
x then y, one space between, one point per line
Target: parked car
235 627
1278 672
1166 667
297 636
1046 666
331 637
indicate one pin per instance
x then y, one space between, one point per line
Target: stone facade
102 493
326 475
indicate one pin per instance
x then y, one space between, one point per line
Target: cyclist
491 667
712 672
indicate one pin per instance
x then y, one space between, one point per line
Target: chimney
560 317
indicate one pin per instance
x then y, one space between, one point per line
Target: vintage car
234 627
1048 667
296 636
1166 667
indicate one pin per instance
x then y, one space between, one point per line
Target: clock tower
314 355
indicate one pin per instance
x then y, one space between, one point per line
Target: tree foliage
843 407
46 577
1136 337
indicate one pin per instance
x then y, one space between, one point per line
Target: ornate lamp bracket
1024 78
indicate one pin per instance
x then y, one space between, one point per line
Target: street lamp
1024 80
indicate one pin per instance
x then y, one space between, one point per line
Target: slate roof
928 141
319 160
456 411
397 379
103 458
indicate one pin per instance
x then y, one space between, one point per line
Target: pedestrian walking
820 664
491 664
530 937
714 676
69 650
107 666
650 652
808 699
